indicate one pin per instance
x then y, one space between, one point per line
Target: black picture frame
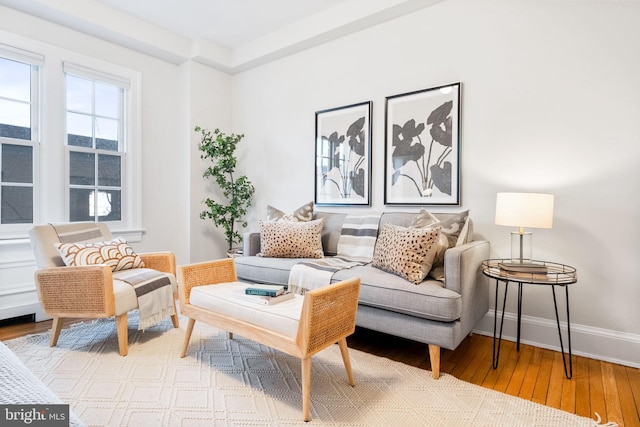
422 147
343 155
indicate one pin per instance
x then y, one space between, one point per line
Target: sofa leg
434 357
122 331
55 330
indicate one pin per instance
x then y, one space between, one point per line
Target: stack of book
264 294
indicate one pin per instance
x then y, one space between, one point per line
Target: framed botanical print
422 147
343 155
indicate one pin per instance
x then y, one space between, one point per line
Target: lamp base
521 243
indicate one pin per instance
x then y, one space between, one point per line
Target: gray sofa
438 313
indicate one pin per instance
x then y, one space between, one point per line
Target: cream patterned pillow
406 252
116 253
455 231
425 219
303 213
291 239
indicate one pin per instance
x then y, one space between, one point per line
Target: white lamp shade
532 210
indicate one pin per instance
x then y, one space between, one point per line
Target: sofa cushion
288 239
303 213
428 300
265 270
407 252
331 231
116 253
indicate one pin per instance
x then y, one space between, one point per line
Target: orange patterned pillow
117 254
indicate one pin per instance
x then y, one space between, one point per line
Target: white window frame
94 76
51 196
36 62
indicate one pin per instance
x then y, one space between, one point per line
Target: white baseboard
588 341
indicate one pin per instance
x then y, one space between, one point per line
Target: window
95 144
19 81
69 140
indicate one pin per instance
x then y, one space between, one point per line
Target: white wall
550 103
210 93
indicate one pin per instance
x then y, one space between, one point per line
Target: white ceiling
229 35
230 23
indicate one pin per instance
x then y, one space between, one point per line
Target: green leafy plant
219 148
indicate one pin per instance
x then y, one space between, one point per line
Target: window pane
17 161
17 205
81 168
15 80
15 119
81 201
109 206
115 206
107 100
108 170
79 94
79 130
106 134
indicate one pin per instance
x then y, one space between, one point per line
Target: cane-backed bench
300 327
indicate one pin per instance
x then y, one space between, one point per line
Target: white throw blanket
355 247
154 291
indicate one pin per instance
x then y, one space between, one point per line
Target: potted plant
219 148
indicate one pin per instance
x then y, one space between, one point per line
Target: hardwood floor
535 374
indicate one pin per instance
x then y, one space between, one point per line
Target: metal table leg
568 374
496 354
519 314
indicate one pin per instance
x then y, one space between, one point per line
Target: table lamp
532 210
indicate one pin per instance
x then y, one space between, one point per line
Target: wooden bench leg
55 331
344 350
434 357
187 336
306 388
174 317
123 334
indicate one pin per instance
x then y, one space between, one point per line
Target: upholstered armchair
90 291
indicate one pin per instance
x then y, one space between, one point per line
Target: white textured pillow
290 239
116 253
406 252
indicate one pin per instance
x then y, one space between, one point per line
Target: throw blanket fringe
155 294
355 247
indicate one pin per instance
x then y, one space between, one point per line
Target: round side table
540 273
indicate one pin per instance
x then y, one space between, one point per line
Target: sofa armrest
463 274
85 291
463 265
251 243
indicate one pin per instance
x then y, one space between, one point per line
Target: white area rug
241 383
